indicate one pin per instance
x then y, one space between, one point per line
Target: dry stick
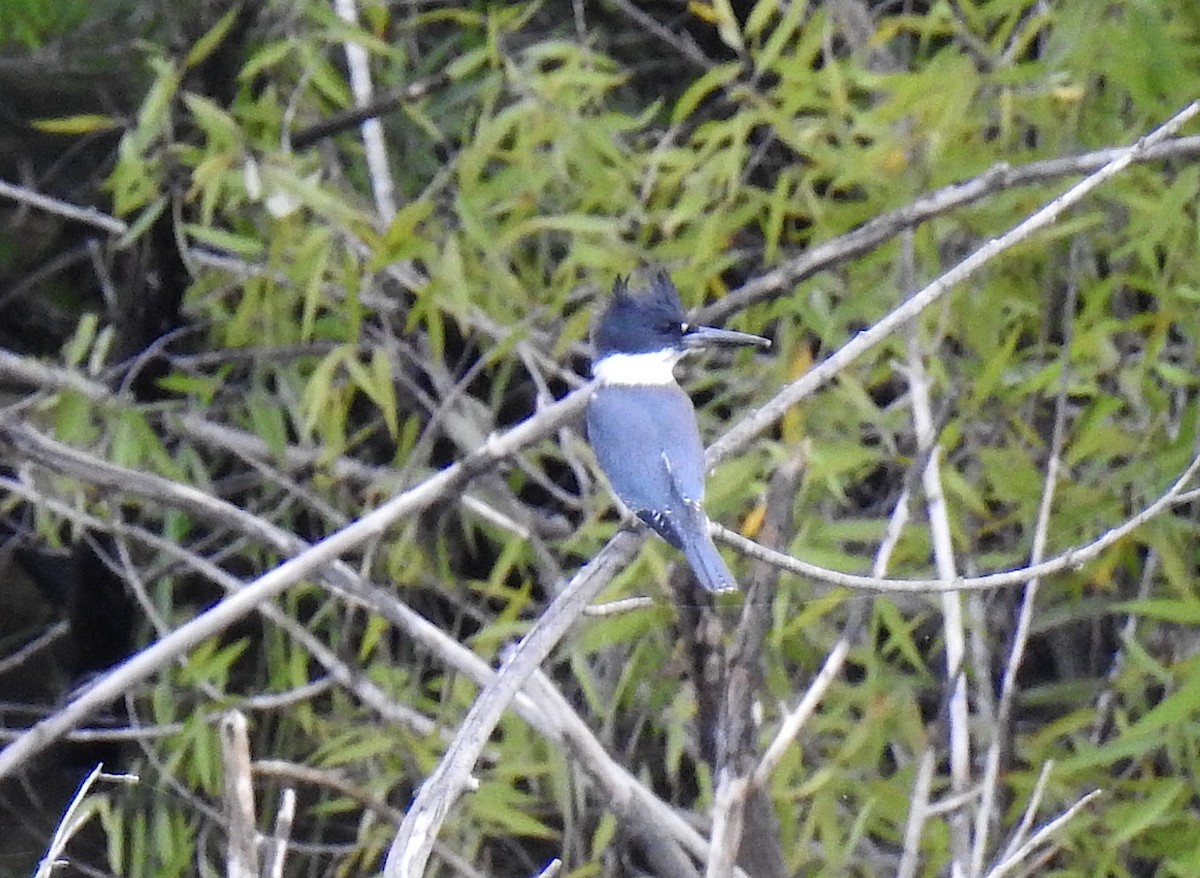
72 821
952 613
1071 559
295 772
737 732
1042 835
1008 686
378 168
729 812
276 854
752 425
87 215
242 856
1030 813
918 813
26 370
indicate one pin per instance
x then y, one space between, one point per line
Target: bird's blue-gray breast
647 443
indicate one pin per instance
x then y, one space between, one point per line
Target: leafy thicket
553 147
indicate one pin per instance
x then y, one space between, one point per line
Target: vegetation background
265 318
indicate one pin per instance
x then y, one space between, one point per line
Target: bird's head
642 334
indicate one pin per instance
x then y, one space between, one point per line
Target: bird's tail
707 563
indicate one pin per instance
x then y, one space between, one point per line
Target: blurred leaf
85 123
208 43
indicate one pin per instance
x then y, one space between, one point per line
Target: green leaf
503 809
208 43
1175 710
145 219
1179 612
213 120
717 77
80 343
270 426
1132 818
230 242
84 123
401 240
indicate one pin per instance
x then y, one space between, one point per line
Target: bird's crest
660 296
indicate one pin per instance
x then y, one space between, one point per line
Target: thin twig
88 215
276 853
1030 813
374 145
953 630
1070 559
387 102
76 815
241 859
1039 837
918 813
296 772
1008 685
1000 178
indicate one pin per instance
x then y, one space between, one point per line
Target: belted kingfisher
642 425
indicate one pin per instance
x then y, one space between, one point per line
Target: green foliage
30 23
364 352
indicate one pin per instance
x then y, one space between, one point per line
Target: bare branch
1008 686
1001 178
1070 559
953 629
87 215
242 855
1040 837
374 144
918 813
276 853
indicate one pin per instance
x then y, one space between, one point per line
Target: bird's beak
709 336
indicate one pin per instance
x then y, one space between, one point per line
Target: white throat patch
656 367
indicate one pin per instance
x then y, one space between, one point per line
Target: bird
642 425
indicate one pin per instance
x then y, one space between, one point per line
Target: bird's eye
685 328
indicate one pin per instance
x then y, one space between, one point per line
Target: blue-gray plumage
643 426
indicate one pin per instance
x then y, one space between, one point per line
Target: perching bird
642 425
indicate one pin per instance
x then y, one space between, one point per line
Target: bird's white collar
654 368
